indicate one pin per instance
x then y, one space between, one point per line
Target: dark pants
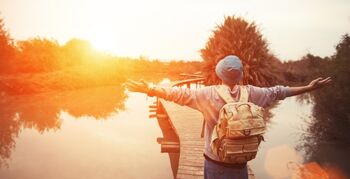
215 171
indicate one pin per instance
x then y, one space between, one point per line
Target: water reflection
280 140
326 139
41 111
169 136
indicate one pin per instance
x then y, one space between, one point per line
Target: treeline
305 69
40 64
39 55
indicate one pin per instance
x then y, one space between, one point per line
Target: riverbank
71 79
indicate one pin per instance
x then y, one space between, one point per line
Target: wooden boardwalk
187 124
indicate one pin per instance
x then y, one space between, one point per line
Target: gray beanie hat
230 69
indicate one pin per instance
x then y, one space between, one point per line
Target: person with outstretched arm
209 101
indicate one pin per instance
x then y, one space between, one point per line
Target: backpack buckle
246 132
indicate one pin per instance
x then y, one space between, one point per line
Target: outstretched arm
144 87
314 84
194 98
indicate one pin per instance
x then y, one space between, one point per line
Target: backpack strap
223 93
243 94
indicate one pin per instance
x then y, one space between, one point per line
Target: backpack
239 130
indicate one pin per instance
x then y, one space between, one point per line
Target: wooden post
203 128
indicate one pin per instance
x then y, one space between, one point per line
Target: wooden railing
197 81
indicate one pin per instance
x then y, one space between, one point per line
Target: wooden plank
187 124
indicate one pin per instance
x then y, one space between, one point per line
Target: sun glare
101 38
102 44
101 31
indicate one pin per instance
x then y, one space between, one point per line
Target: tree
7 49
38 55
238 37
305 69
77 51
328 131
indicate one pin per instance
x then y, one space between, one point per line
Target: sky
166 30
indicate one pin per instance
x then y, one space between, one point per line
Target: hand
319 82
135 86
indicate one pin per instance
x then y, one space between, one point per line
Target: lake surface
104 133
89 133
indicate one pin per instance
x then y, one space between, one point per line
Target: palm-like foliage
241 38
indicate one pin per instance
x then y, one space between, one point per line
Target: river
104 133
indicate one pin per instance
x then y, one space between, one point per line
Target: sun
101 37
103 44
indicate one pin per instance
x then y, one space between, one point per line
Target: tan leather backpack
239 130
